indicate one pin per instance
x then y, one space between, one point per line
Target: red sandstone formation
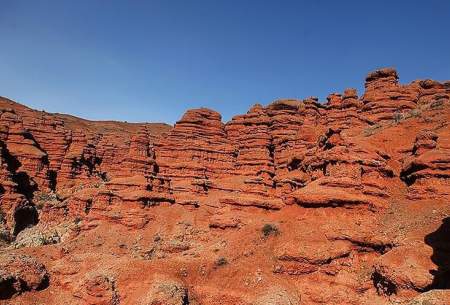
297 202
20 273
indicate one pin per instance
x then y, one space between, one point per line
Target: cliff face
298 202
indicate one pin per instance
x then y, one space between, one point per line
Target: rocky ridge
316 200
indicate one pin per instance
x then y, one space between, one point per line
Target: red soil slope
297 202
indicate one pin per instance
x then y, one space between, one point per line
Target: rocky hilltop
297 202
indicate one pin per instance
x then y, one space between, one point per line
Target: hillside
295 202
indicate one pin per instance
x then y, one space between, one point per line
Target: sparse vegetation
397 117
437 104
371 130
43 198
49 239
5 236
221 261
415 113
269 229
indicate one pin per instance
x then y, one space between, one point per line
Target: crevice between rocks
383 285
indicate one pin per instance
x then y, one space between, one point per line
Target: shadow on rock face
25 185
21 273
25 217
439 240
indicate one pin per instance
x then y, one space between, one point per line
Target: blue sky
151 60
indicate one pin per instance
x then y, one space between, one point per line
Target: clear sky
152 60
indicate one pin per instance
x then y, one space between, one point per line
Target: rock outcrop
21 273
427 170
298 202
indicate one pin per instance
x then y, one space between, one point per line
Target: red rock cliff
296 202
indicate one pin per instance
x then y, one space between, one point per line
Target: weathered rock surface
427 169
298 202
434 297
21 273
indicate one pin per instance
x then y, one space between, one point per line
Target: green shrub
269 229
5 235
221 261
437 104
415 113
397 117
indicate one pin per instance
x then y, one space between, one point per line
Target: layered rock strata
343 201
